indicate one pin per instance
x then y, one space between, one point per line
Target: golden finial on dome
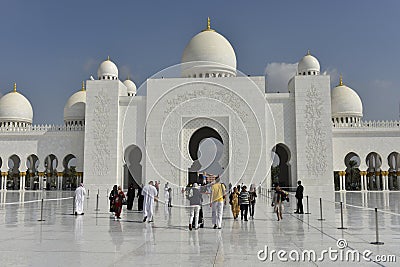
108 58
15 87
83 85
308 52
340 80
208 25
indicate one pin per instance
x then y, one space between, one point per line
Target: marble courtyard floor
96 239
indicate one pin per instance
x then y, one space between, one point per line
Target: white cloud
334 73
124 72
382 84
278 75
90 64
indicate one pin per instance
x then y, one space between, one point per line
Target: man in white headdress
148 192
80 193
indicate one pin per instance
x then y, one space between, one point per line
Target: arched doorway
13 178
205 147
281 168
133 167
32 175
69 180
394 166
374 163
50 165
353 178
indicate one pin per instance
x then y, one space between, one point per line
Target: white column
3 181
41 174
22 181
362 180
384 181
342 175
59 180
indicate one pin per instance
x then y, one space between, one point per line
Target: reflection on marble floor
96 239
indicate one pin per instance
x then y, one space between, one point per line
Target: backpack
189 193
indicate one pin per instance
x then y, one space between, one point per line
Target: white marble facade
111 130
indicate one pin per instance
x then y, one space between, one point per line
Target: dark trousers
251 207
243 210
300 205
140 202
129 203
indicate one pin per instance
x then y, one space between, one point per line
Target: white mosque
112 135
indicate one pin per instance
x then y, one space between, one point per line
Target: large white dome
308 65
131 87
74 109
14 107
208 54
107 70
345 102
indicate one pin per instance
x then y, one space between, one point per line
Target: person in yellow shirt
218 193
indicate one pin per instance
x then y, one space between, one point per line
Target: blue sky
49 47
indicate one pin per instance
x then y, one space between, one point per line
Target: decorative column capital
22 173
4 173
377 173
41 173
398 173
60 174
385 173
342 173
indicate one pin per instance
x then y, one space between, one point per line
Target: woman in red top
118 202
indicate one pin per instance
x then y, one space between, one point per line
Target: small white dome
14 107
345 102
131 87
74 109
308 65
107 70
210 53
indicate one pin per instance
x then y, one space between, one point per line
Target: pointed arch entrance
32 175
213 165
195 134
281 170
133 166
13 178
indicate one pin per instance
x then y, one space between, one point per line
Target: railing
41 128
368 124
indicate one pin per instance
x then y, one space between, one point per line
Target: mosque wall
132 121
282 108
42 144
103 156
314 135
236 99
363 141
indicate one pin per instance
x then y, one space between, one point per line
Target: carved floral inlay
100 135
315 133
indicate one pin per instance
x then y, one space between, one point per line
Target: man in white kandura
80 193
148 192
